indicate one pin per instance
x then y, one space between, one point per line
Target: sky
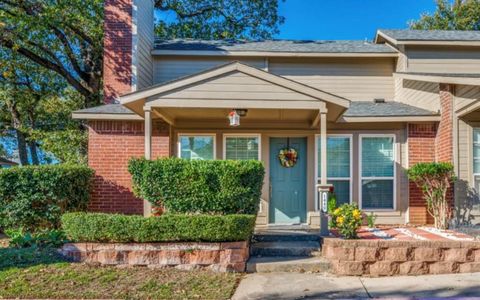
347 19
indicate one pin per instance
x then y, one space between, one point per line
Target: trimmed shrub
100 227
34 197
199 186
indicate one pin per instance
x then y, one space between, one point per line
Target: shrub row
34 197
100 227
199 186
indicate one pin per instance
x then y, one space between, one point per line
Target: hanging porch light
234 118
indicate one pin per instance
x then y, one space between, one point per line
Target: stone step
299 248
288 264
286 237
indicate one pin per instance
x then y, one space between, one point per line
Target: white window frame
361 178
179 145
473 157
247 135
318 177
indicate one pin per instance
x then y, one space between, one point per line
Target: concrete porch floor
317 286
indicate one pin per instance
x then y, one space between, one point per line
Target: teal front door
288 186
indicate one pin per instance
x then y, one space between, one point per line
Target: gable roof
269 47
183 82
439 37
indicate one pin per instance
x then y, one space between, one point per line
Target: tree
459 15
218 19
64 36
434 179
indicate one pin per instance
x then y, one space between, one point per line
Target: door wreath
288 157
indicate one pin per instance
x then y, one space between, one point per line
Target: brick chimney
128 40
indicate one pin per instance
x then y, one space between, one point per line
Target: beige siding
169 68
417 93
466 197
143 43
466 95
357 79
443 59
237 86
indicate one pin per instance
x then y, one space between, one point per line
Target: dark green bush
34 197
199 186
99 227
53 238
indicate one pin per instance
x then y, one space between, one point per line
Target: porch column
323 147
147 207
323 187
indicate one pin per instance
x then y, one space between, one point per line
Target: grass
37 273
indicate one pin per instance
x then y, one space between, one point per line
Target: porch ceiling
255 118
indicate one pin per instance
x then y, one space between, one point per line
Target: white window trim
252 135
473 156
360 178
317 177
179 150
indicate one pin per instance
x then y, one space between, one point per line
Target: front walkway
316 286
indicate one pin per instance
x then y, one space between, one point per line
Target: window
339 152
377 168
241 147
196 146
476 158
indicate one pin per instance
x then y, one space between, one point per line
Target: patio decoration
347 219
234 118
288 157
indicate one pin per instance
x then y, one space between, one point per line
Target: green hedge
34 197
99 227
199 186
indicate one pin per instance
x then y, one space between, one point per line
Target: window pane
377 194
338 156
377 157
341 190
476 150
241 148
196 147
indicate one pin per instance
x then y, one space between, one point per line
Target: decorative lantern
234 118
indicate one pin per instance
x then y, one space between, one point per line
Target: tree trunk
33 152
22 147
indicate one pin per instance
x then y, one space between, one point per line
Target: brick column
421 148
117 54
444 140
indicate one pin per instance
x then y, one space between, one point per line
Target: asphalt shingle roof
357 109
431 35
387 109
304 46
106 109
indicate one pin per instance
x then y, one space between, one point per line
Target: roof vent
379 100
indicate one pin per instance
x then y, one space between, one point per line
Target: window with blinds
377 158
476 158
338 166
242 147
197 147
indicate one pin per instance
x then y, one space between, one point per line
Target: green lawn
29 273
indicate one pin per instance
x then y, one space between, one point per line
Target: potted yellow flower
347 219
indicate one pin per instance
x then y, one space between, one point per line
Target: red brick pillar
117 43
444 141
421 148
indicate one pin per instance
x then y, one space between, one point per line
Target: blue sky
347 19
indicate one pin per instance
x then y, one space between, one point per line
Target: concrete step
298 248
286 237
288 264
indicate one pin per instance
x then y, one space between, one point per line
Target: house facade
355 115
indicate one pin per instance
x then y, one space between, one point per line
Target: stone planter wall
221 257
388 258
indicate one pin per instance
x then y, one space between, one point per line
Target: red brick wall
110 145
444 141
428 143
421 148
117 56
